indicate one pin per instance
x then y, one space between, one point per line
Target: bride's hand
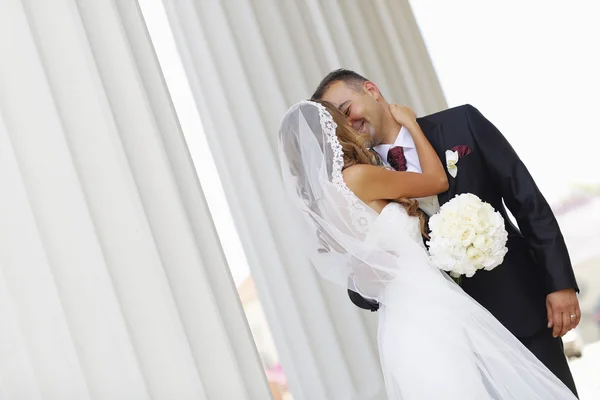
403 115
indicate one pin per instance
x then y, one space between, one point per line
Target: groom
533 293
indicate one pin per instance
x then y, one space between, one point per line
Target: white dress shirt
429 205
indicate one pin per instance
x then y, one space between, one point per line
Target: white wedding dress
436 342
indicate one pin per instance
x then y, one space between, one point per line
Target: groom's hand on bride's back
563 311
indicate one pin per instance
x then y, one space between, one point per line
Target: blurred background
221 74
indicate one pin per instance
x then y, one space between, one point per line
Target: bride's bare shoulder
358 175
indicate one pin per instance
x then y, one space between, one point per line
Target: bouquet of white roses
467 235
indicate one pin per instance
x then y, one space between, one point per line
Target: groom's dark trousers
537 262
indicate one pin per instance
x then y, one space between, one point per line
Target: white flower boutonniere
452 157
451 160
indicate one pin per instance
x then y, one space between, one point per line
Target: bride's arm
428 158
371 183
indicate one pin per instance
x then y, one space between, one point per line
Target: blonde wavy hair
356 150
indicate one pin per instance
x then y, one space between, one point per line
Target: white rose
461 263
481 241
475 255
467 235
434 222
494 260
449 228
458 252
471 206
449 208
444 260
490 263
468 197
489 242
502 235
469 217
496 220
483 222
497 246
487 209
469 269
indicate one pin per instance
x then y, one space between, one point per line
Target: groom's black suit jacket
537 262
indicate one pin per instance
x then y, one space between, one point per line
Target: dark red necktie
396 158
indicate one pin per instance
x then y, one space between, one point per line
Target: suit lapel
433 133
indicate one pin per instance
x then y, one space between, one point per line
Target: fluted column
113 284
247 61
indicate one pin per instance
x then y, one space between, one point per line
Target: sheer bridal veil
336 222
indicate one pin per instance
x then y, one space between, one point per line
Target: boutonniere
452 157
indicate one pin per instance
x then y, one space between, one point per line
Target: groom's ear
372 90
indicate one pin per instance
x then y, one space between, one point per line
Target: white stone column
248 61
113 284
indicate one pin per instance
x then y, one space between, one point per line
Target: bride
364 233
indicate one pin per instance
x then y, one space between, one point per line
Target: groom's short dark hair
351 78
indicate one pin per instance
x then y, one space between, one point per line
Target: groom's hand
561 306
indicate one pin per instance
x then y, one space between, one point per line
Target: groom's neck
390 133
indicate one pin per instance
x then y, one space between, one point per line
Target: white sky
530 66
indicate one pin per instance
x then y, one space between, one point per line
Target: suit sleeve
361 302
523 198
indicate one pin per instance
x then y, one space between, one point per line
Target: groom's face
361 106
